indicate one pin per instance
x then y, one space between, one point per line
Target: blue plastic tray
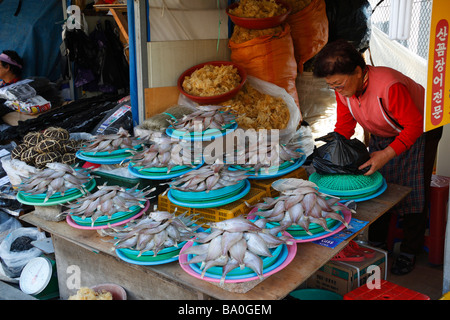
159 176
206 135
213 203
280 259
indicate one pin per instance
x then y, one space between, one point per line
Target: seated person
10 67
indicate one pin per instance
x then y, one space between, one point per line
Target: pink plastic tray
292 251
347 217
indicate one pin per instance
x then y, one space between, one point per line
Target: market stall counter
84 258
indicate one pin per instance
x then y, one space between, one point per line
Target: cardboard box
343 277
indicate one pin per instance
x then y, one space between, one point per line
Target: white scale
36 276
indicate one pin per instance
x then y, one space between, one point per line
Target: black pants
413 225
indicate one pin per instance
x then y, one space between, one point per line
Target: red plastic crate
388 291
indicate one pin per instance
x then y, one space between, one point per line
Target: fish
300 203
237 252
208 177
234 243
220 261
255 263
148 234
111 142
229 239
236 224
229 266
257 245
55 178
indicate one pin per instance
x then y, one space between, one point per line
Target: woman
10 67
389 106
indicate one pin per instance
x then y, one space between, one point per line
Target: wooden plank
158 100
76 266
121 21
309 258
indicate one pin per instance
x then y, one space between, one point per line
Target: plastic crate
266 184
387 291
217 214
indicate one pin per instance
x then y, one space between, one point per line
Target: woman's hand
378 159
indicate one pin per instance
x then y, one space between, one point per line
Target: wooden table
84 256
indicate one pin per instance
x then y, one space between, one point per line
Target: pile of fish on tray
106 201
208 177
154 232
56 177
235 243
204 118
111 142
264 153
164 152
300 203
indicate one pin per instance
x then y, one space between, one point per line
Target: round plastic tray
103 220
365 197
21 197
281 172
72 223
118 152
286 256
145 263
337 228
206 135
202 196
213 203
132 252
103 160
347 184
160 176
267 262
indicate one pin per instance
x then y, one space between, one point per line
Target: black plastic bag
340 155
350 20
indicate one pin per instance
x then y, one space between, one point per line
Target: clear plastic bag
272 90
13 262
7 225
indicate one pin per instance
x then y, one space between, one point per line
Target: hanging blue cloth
33 29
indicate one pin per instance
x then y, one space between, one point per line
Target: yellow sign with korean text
437 97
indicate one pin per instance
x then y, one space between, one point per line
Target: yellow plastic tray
221 213
265 184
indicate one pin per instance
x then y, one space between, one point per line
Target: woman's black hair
337 57
15 57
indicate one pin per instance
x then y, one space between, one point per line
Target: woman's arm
408 116
345 123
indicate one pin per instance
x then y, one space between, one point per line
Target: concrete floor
425 278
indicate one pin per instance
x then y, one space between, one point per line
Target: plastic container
438 207
315 294
387 291
259 23
212 99
228 211
117 292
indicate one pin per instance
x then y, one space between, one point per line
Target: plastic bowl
117 292
212 99
259 23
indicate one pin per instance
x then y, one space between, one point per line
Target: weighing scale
39 279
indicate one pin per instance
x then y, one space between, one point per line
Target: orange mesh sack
309 31
269 58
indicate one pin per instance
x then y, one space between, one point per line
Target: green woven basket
347 184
